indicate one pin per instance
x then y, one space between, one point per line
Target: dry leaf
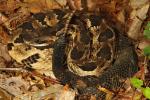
36 6
137 17
14 85
4 37
54 92
2 62
143 44
4 52
9 5
4 95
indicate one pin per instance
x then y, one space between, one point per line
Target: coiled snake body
83 49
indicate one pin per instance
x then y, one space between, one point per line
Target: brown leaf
9 5
137 16
54 92
14 85
4 95
75 4
2 62
4 35
36 6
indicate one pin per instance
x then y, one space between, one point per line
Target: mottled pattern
32 42
102 46
78 48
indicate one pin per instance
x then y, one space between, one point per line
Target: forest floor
19 84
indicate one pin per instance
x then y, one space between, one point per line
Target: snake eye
76 54
105 35
105 52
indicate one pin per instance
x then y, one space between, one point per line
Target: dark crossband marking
105 35
31 59
88 66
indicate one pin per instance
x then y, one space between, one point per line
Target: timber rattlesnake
82 49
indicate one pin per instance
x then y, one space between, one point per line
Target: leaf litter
20 85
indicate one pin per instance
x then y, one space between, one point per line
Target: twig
12 69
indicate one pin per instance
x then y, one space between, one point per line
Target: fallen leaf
4 52
14 85
4 95
36 6
137 17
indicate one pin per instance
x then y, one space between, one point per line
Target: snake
83 49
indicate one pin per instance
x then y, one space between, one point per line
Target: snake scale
82 49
